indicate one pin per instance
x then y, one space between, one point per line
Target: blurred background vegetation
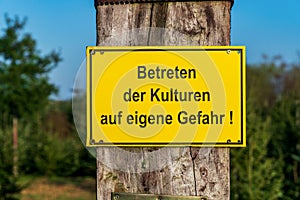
48 145
269 167
45 141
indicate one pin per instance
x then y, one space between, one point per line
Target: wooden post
196 171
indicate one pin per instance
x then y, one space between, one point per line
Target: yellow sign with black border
166 96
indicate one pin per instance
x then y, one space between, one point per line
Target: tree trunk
15 147
182 171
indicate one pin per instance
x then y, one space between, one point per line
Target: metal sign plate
132 196
166 96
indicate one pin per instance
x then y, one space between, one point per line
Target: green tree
268 168
254 174
24 85
24 88
264 83
286 143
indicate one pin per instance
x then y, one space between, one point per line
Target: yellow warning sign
166 96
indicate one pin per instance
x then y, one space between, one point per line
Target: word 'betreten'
161 73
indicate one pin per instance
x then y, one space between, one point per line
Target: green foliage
268 168
48 142
24 82
60 157
286 126
255 175
45 150
24 89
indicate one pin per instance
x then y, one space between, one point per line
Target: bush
48 153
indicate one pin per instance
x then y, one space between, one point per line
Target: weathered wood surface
185 171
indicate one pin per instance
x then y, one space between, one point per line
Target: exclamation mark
231 115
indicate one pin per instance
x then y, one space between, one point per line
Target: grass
59 188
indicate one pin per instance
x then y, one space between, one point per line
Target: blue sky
264 26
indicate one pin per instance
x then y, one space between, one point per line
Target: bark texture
186 171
